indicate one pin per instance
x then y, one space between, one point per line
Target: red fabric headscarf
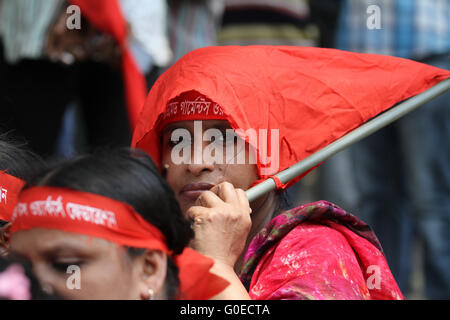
107 16
10 187
313 96
97 216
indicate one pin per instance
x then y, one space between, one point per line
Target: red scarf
190 105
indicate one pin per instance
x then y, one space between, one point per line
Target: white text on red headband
3 194
73 211
199 106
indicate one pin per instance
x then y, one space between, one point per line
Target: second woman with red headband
110 220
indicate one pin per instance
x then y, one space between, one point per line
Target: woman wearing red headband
106 226
285 103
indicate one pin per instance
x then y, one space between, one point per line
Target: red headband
9 190
191 105
105 218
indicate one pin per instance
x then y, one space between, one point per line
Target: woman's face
189 180
76 266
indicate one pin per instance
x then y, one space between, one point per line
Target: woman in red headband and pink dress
222 119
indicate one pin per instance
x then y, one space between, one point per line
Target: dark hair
17 159
129 176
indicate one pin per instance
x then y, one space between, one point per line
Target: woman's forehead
189 125
55 241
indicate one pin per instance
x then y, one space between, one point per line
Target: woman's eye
226 138
174 142
64 266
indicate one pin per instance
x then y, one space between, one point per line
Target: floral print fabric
317 251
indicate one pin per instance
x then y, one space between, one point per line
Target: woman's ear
153 272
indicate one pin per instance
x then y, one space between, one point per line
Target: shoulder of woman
311 261
309 240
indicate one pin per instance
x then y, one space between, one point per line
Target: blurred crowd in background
61 92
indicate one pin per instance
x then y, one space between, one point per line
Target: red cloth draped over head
107 16
10 187
101 217
313 96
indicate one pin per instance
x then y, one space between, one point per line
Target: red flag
106 16
313 96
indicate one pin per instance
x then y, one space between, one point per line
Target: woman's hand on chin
221 222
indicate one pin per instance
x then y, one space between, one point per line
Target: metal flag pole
350 138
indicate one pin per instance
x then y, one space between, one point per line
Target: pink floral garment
317 251
14 284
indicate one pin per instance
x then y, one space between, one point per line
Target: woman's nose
198 169
199 163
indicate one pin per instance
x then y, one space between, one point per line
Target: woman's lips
192 191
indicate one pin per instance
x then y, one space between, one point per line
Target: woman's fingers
221 222
243 200
227 192
197 214
208 199
223 193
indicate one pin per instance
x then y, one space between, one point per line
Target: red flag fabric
106 16
312 96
